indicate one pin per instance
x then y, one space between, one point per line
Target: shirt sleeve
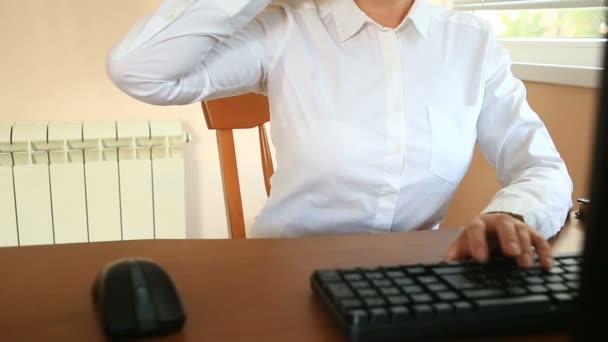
193 50
535 181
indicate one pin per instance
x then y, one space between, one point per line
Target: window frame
566 61
574 62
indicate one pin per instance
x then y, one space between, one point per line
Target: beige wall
52 65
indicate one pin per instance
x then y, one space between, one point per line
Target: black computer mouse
135 297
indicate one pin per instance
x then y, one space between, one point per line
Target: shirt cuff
533 215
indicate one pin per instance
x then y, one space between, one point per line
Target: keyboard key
404 281
374 275
353 276
329 276
555 270
519 273
421 298
553 278
482 293
478 279
349 304
437 287
458 281
564 298
361 284
398 300
534 280
516 290
395 274
340 290
382 283
572 269
447 296
535 271
423 310
416 270
557 287
390 291
450 270
572 285
569 261
493 283
538 288
514 281
379 315
412 289
525 302
462 307
374 301
399 313
367 292
428 279
357 317
350 270
442 309
571 276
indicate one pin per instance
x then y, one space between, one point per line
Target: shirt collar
349 18
420 14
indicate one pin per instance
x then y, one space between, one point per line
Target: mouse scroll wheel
142 294
139 283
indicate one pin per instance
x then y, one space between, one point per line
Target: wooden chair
224 115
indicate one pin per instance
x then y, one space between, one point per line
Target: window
548 23
558 41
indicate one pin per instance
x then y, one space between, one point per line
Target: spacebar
524 302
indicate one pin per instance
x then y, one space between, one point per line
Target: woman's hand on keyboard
504 232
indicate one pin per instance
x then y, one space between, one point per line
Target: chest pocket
453 135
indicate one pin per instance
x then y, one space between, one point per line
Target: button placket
395 123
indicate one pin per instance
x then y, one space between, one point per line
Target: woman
376 106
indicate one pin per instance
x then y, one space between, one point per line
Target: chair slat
267 167
224 115
244 111
230 180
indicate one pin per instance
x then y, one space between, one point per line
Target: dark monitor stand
592 316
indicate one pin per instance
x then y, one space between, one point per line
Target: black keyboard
449 299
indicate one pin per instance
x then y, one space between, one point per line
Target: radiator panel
103 201
89 182
33 200
8 217
136 194
68 197
169 193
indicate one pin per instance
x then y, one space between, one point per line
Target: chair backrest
224 115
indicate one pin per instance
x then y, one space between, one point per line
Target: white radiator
86 182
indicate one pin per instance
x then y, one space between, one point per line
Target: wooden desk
247 290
